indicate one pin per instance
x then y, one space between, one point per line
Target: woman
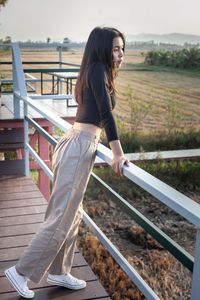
52 248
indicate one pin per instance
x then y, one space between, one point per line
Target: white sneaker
19 282
66 280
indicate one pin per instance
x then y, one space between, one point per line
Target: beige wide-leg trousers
52 248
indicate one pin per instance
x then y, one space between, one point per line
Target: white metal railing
183 205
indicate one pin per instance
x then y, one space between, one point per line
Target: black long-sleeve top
97 103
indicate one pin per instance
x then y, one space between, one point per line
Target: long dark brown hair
98 49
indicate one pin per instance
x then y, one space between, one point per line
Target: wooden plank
14 296
15 241
11 147
14 135
93 291
20 220
19 211
18 224
22 203
79 261
19 229
9 183
13 180
21 195
11 253
15 253
8 167
58 106
82 272
5 113
16 189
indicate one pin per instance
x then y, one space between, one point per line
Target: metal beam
195 295
43 132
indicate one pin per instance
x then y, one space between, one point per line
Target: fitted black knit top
97 103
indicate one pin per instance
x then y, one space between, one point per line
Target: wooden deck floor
22 208
59 107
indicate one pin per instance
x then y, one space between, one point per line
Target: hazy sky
39 19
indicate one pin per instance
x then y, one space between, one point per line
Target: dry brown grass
159 87
160 270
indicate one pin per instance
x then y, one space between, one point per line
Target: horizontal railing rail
50 70
41 63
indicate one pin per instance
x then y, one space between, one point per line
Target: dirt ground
166 276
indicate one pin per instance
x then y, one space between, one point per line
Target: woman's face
117 51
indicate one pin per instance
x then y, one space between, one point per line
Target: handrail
180 203
49 70
166 194
183 256
175 200
41 63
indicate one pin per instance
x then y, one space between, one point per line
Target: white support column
18 79
195 295
19 90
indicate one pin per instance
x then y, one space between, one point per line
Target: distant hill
171 38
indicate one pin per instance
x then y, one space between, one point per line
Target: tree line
188 58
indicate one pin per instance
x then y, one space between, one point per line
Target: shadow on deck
22 208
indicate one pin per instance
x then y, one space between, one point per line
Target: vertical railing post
26 141
16 101
60 65
195 294
19 84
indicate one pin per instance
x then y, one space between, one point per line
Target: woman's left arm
119 158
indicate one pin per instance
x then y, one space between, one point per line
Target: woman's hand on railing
117 164
118 157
